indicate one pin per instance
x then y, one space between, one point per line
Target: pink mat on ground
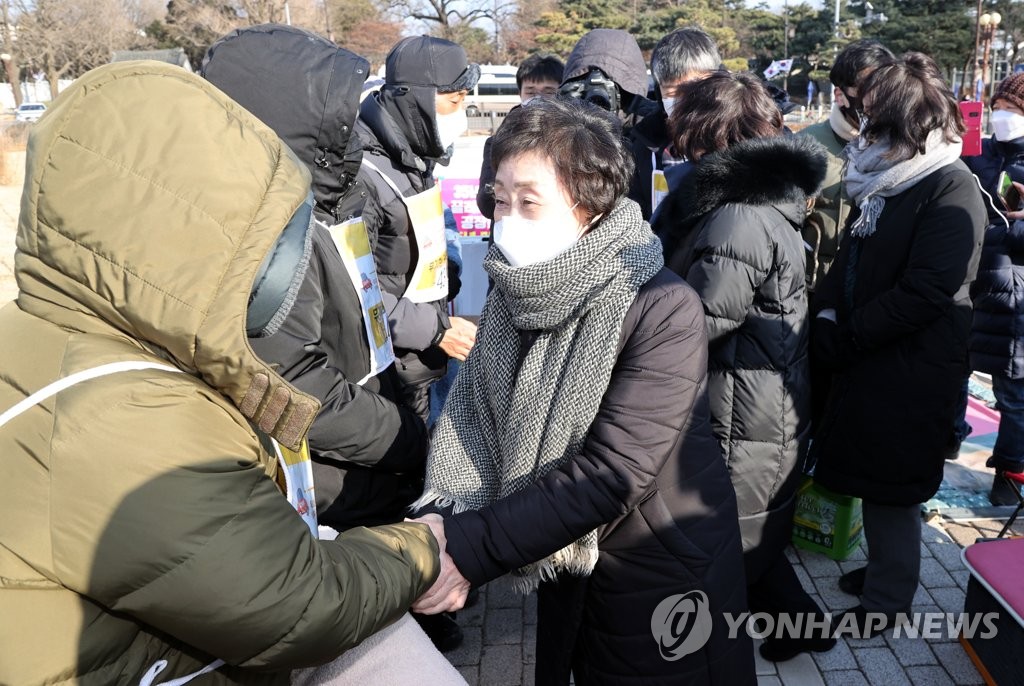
982 419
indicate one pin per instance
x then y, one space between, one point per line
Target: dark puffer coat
899 350
368 450
651 476
399 138
997 334
733 232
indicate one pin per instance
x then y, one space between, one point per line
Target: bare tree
444 17
9 49
262 11
62 38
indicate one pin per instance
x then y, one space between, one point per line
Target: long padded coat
733 232
900 358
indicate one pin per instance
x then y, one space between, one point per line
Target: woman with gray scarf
575 450
893 316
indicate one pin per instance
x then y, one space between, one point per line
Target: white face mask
669 104
1006 126
530 241
451 126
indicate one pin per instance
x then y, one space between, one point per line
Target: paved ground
501 629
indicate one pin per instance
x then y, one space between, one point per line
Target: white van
495 92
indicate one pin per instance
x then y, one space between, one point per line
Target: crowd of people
233 306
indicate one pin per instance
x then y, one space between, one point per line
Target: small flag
777 67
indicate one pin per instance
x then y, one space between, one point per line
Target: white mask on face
451 126
669 104
530 241
1006 126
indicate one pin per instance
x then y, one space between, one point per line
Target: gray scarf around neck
512 417
871 177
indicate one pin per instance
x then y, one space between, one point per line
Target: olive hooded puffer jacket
141 530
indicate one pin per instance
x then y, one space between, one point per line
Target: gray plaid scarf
505 424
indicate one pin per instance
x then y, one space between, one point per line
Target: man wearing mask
607 68
824 226
997 332
680 57
538 76
407 127
368 450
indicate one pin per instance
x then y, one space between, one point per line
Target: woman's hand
459 339
451 589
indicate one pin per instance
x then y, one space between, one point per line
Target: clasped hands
459 339
449 592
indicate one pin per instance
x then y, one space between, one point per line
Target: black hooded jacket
616 53
368 450
647 141
733 232
399 136
997 330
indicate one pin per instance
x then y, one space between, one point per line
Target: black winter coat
391 133
647 142
997 333
899 350
733 232
368 450
651 477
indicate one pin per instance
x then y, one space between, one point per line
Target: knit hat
429 61
1011 89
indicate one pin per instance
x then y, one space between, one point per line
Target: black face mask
854 111
595 87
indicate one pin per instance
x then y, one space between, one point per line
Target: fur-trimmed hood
782 171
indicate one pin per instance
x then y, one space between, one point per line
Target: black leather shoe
853 581
782 649
442 630
1003 493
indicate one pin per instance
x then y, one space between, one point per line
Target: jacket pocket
663 527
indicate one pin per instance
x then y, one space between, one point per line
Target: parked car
29 111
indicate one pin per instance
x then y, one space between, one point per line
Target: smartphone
1008 193
972 120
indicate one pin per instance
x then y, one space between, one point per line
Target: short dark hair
721 110
583 142
909 100
684 50
855 58
539 68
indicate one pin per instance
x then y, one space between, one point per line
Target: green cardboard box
827 522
